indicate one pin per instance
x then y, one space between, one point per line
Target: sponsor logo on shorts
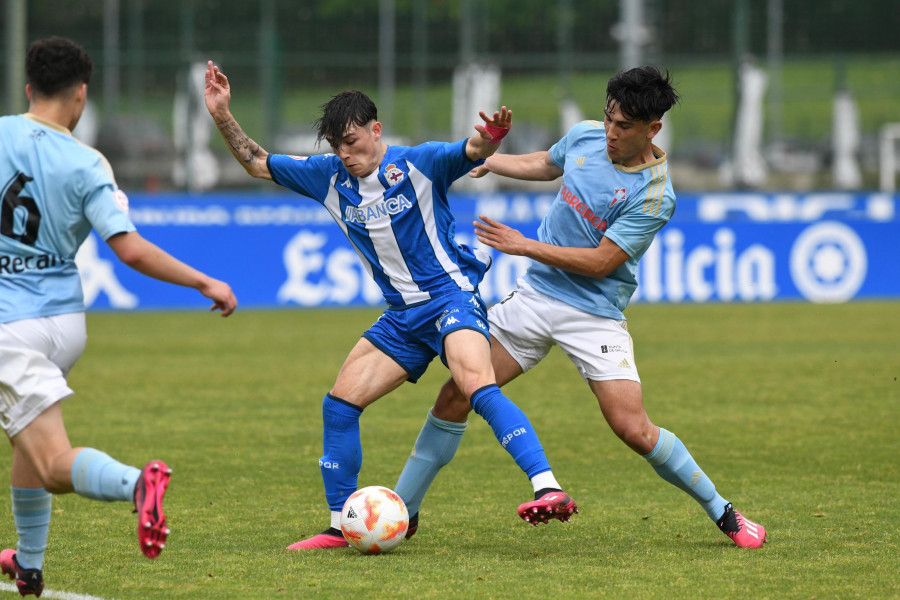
605 349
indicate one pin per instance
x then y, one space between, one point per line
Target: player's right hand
217 92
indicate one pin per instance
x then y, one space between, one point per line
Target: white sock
545 480
336 519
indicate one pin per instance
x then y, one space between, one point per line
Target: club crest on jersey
393 174
618 196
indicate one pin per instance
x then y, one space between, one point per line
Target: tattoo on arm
241 146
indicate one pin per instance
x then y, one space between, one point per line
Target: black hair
350 107
55 64
642 93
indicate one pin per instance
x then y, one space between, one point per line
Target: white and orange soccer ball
374 520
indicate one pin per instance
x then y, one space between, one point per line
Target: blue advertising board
284 250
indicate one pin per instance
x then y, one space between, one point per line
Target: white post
887 158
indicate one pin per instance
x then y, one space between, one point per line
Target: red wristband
497 133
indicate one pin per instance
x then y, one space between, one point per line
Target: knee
451 404
639 435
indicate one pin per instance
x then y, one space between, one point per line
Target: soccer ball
374 520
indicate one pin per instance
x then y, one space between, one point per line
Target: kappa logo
618 196
451 321
351 514
393 174
480 323
347 183
580 162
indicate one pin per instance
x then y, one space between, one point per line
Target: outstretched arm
151 260
592 262
536 166
251 155
486 139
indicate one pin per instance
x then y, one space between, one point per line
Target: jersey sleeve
634 230
105 205
306 175
443 161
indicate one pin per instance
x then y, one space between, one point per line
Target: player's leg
35 356
441 434
621 402
366 375
467 353
43 449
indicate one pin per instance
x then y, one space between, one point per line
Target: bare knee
638 434
451 404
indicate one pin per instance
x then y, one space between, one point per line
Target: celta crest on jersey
377 210
393 174
618 196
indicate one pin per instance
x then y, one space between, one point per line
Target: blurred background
776 95
783 149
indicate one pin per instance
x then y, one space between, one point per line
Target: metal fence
810 83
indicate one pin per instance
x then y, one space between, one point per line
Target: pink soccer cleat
148 497
30 582
743 532
330 538
552 505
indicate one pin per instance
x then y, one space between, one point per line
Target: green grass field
792 409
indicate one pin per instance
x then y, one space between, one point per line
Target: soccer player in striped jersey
391 203
55 190
615 196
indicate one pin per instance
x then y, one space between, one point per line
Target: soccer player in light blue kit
615 196
54 191
391 203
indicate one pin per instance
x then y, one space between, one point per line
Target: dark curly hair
642 93
55 64
350 107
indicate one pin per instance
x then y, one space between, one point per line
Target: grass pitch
792 409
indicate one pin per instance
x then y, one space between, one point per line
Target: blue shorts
415 335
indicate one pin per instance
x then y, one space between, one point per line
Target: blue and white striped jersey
397 219
55 189
629 205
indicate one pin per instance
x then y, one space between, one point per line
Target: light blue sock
99 476
342 460
672 461
31 512
512 429
435 447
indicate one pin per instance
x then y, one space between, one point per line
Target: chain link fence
811 82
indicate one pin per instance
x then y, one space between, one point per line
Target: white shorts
35 357
528 323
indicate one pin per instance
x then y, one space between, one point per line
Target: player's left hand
499 236
501 119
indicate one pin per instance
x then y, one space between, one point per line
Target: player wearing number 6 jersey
55 190
391 203
615 196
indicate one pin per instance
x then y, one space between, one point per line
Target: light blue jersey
629 205
55 189
397 219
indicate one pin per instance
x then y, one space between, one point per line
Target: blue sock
31 512
99 476
512 428
343 451
672 461
435 447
